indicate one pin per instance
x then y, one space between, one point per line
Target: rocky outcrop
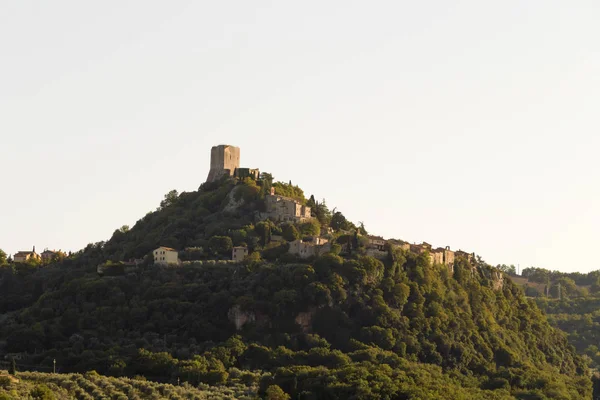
232 203
497 280
304 319
240 318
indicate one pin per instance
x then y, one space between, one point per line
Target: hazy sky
472 124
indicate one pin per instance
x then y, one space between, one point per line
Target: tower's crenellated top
224 159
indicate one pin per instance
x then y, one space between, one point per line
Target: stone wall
436 257
281 208
306 249
242 173
448 256
380 254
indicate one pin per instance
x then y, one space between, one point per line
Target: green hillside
91 385
572 303
341 325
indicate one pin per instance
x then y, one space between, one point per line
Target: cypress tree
13 367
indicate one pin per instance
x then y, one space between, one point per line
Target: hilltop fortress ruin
225 160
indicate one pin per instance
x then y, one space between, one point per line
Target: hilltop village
292 225
284 212
32 257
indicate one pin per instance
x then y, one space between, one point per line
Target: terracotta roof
24 253
375 237
167 248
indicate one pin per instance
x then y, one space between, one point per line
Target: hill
339 324
572 304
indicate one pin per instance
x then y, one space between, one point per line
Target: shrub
42 392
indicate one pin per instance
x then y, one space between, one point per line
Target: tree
339 222
509 269
322 213
3 258
274 392
266 182
311 227
13 367
170 199
361 228
595 288
290 233
42 392
220 244
263 229
564 287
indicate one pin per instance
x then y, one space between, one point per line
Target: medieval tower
224 159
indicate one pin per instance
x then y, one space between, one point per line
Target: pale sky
472 124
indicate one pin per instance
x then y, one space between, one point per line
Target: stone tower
224 159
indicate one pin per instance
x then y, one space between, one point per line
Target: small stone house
165 256
281 208
239 253
24 256
315 246
49 255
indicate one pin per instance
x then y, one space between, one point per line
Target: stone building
24 256
165 256
419 248
281 208
242 173
376 247
401 244
442 256
49 255
239 253
315 246
376 242
464 254
224 159
448 256
436 256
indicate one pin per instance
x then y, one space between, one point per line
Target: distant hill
572 304
337 325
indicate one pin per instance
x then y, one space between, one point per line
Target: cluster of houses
45 257
314 246
281 209
225 161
